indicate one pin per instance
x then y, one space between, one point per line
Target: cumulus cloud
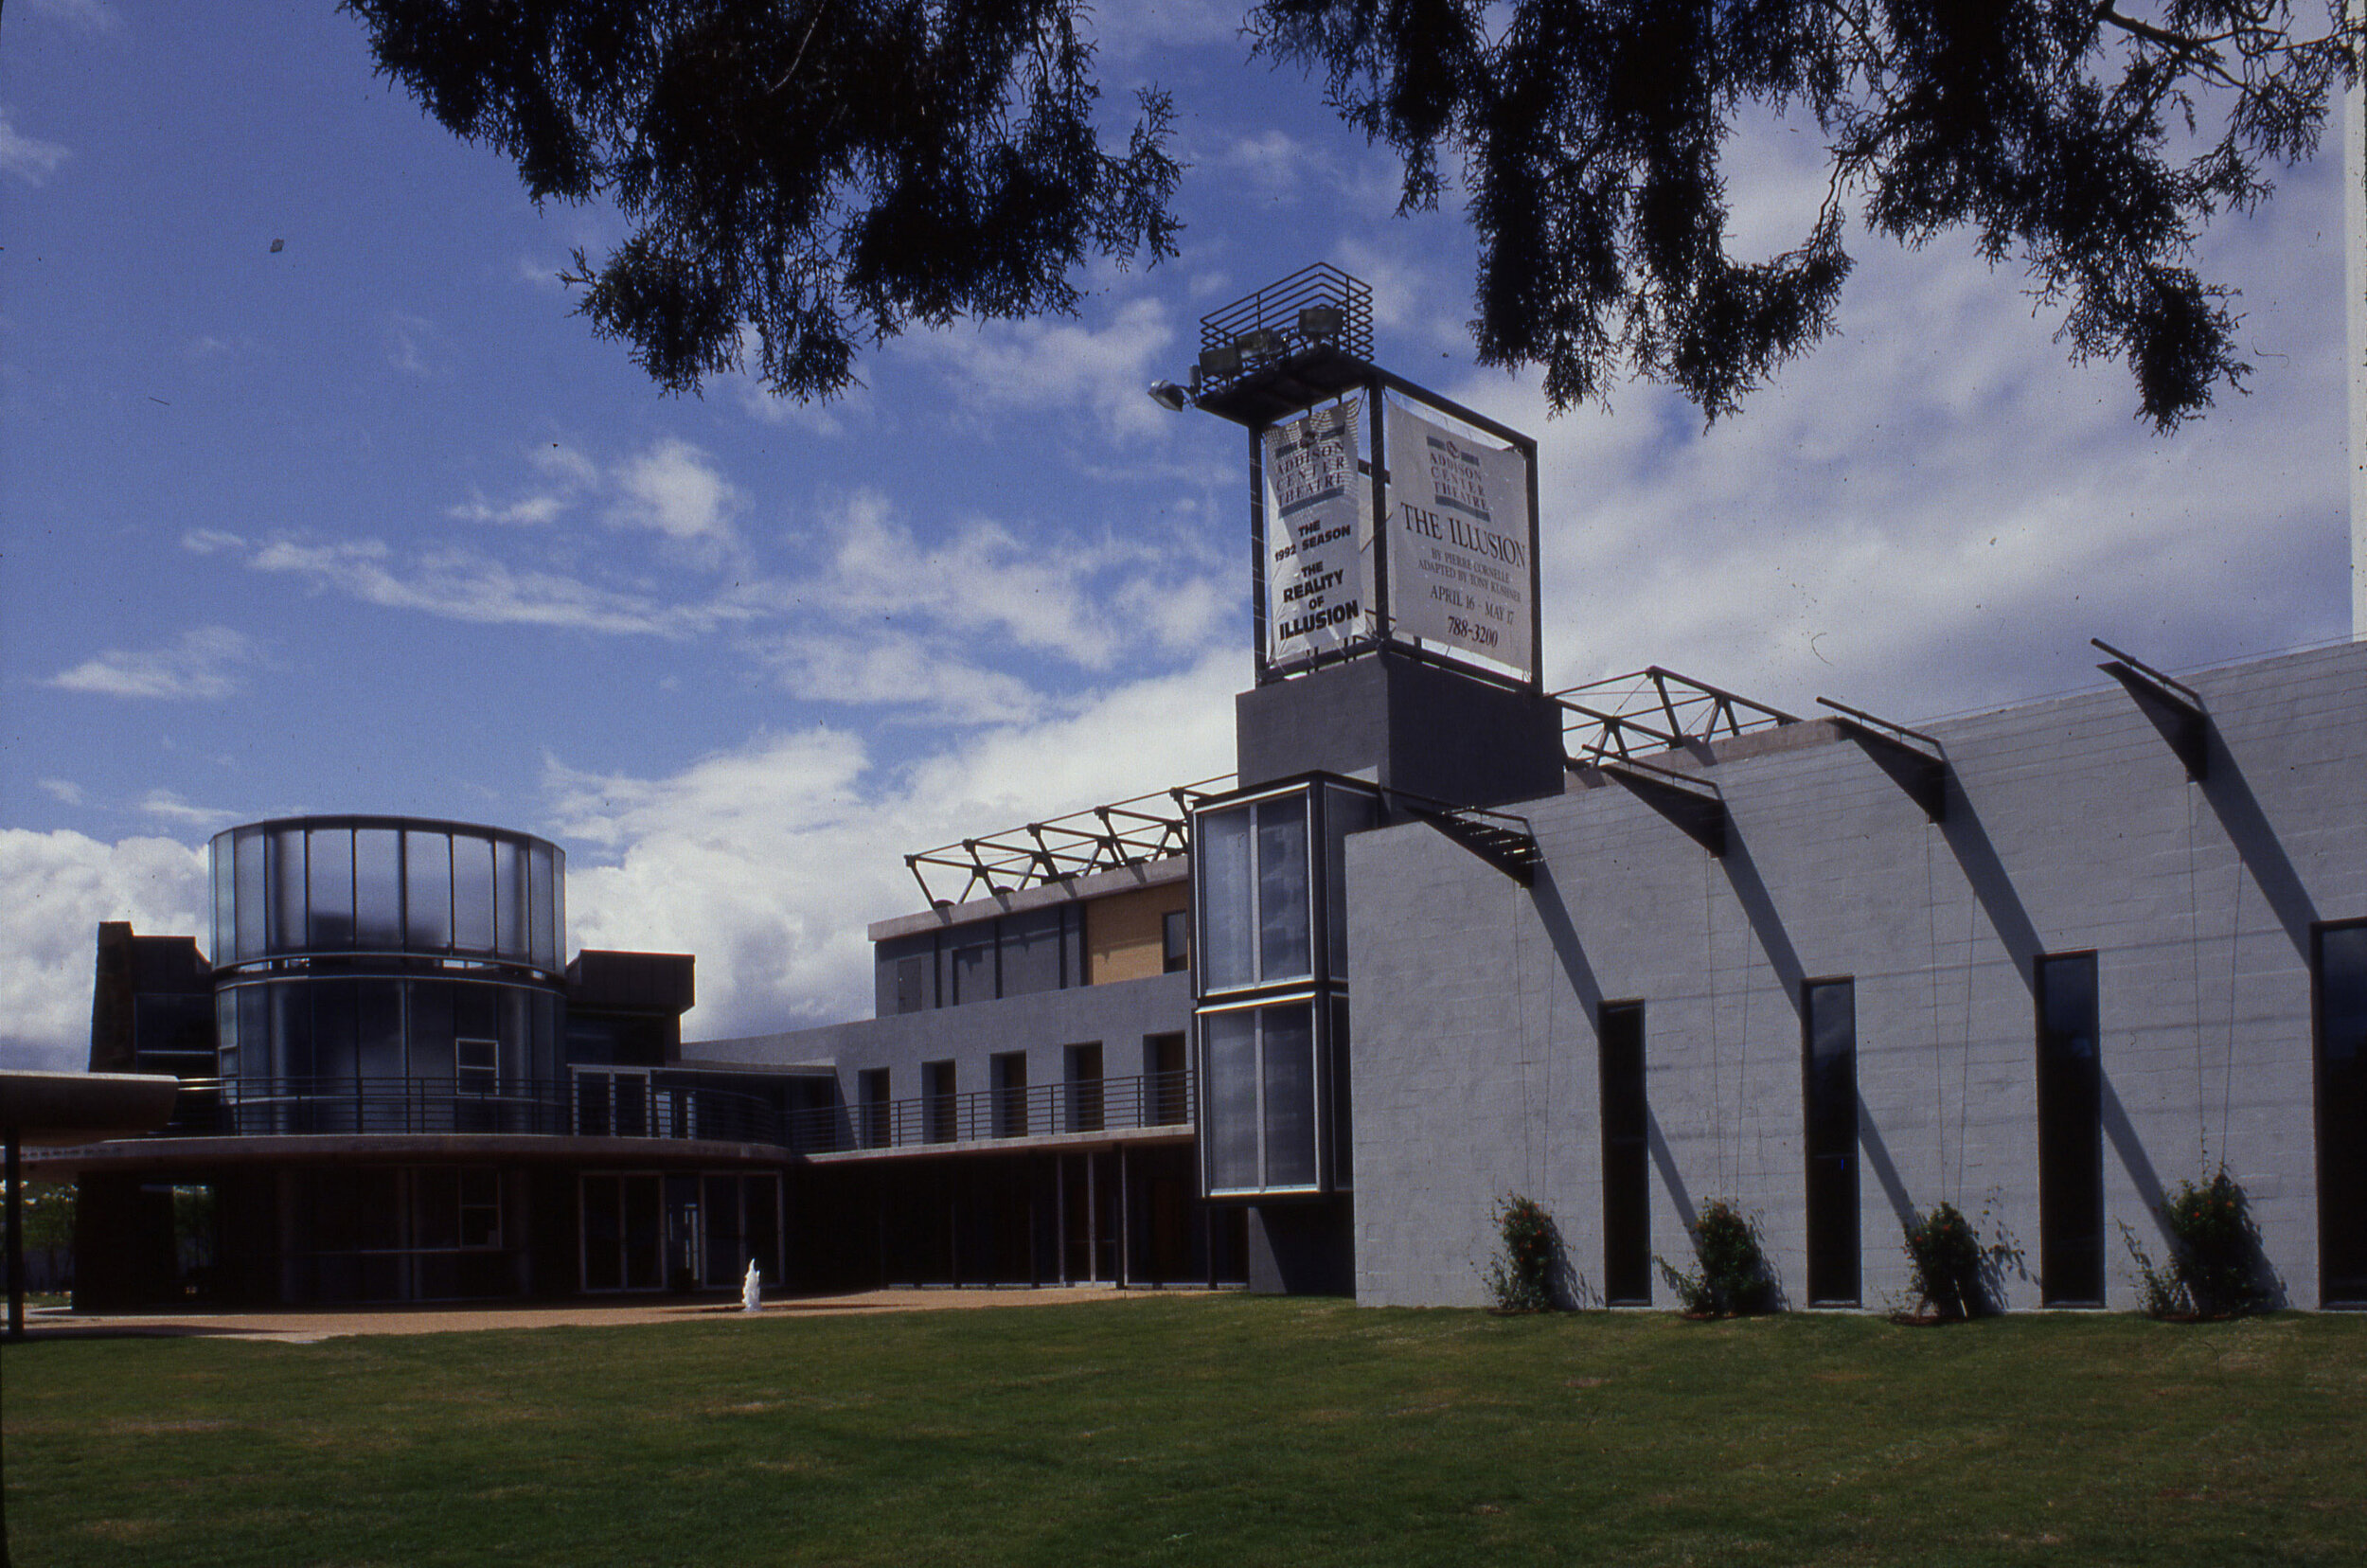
1856 532
205 664
675 491
65 790
60 886
1045 364
890 618
769 860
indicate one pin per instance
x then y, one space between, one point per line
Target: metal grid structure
1608 717
1317 305
1100 838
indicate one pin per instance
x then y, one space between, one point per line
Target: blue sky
371 524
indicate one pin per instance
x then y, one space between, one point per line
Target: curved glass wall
332 885
388 974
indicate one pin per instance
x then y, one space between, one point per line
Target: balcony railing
626 1106
980 1115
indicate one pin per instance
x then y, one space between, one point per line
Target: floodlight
1169 396
1221 362
1262 343
1321 323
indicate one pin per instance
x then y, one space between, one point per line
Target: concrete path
307 1326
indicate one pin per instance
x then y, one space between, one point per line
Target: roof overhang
42 1109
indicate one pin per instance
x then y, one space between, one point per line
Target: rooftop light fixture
1169 396
1321 323
1220 361
1264 343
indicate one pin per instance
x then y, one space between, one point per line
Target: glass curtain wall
1270 893
327 885
387 974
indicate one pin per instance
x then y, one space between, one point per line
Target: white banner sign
1459 541
1318 521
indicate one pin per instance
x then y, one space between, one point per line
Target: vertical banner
1317 523
1459 541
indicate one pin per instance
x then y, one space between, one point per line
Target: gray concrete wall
2070 826
1118 1016
1405 723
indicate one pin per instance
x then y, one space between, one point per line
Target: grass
1219 1431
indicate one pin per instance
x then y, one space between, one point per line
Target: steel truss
1124 833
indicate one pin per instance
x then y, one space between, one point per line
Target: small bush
1521 1277
1945 1257
2215 1269
1732 1279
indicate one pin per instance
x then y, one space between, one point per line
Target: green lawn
1226 1431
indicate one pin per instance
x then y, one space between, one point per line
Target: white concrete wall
2071 827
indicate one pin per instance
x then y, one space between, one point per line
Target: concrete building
1442 937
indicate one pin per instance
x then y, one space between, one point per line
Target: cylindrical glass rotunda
388 973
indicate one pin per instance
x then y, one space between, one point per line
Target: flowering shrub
1733 1280
2214 1254
1521 1277
1945 1257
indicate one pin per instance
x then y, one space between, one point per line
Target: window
1175 941
1009 1073
1829 1081
1163 1055
2341 976
937 1084
1084 1088
874 1108
910 977
1257 918
480 1209
1627 1192
477 1065
2071 1137
1260 1098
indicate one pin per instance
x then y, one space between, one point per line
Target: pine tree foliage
2089 139
806 176
820 171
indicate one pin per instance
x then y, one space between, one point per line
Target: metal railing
979 1115
622 1105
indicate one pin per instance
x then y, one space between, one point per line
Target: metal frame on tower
1283 349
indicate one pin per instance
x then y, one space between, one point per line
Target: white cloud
769 860
1127 29
94 15
1041 365
890 615
165 805
418 347
467 585
210 541
526 511
28 158
1934 511
675 491
895 670
205 666
65 790
60 886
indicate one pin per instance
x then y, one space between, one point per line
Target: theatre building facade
1442 937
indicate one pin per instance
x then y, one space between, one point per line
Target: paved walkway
306 1325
